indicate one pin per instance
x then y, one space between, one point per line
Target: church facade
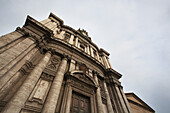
48 67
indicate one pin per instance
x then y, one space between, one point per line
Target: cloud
135 33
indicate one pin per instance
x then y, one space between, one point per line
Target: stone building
49 67
137 105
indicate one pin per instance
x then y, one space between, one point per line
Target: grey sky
135 33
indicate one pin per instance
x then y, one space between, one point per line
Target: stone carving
104 101
83 68
83 32
47 77
40 91
66 37
54 62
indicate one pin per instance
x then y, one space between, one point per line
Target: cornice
104 51
76 32
57 19
37 25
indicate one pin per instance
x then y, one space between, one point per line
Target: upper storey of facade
71 39
78 38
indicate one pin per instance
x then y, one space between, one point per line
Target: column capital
65 57
95 73
49 51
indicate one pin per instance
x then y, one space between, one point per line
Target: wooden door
80 104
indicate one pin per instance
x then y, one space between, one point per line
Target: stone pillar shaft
17 102
9 45
105 61
9 38
88 52
52 99
98 95
15 65
71 39
126 101
68 104
15 78
91 51
72 65
76 42
109 63
121 99
109 104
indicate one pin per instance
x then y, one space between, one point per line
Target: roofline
56 18
133 94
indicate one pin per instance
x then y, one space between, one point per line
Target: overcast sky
135 32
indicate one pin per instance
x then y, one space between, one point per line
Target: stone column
88 52
71 39
13 55
106 63
11 44
76 42
14 66
97 55
72 65
16 77
109 104
91 51
10 38
52 99
109 62
68 104
7 87
121 99
17 102
126 101
98 95
78 45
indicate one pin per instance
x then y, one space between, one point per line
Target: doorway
80 103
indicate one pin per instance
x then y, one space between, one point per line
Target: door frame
76 85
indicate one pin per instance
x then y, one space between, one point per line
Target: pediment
135 99
83 77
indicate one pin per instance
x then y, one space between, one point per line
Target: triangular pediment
135 99
83 77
